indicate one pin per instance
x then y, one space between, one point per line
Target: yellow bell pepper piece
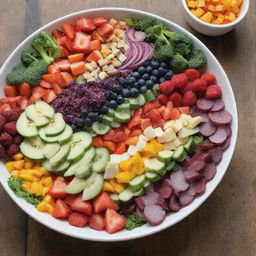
17 156
123 177
125 165
108 187
119 188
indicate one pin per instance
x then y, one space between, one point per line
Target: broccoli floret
183 48
164 53
33 73
46 47
133 221
30 55
19 67
156 33
143 24
197 59
15 78
178 63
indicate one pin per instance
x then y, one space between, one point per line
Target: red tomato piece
68 30
96 222
85 24
58 188
81 42
113 221
61 209
81 206
77 219
99 21
102 202
105 30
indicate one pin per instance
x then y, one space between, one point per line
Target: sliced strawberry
58 188
81 206
153 115
81 42
102 202
77 219
163 99
85 24
70 199
150 105
67 42
99 21
105 30
63 65
61 209
120 148
57 33
64 52
96 222
136 120
145 123
68 30
167 112
113 221
45 84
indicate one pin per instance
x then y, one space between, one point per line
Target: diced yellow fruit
15 174
232 16
45 207
18 165
108 187
112 182
26 185
36 188
10 166
112 21
125 165
119 188
207 17
201 3
28 177
45 190
136 159
41 170
198 12
235 10
105 52
123 177
211 8
47 181
28 164
17 156
48 199
139 170
192 4
123 24
219 8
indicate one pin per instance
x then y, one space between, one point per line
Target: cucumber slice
26 127
59 169
48 139
125 107
141 99
154 165
198 139
134 103
115 125
61 156
44 109
162 172
176 167
170 166
126 195
80 142
66 135
190 145
139 192
93 186
56 126
137 182
76 186
156 90
111 112
122 117
151 176
149 95
87 158
179 154
147 186
165 155
101 160
38 119
100 128
83 171
107 120
32 148
115 197
51 149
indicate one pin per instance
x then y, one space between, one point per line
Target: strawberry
12 150
96 222
102 202
163 99
61 209
58 188
209 78
10 128
189 98
77 219
81 206
113 221
213 92
192 74
167 87
198 85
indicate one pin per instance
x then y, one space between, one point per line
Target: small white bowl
212 29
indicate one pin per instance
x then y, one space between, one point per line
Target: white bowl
212 29
90 234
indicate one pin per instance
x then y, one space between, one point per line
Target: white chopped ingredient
116 63
122 57
89 66
102 62
103 75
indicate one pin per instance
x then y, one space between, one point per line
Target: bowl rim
242 14
195 205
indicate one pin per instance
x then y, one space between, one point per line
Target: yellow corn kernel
47 181
28 164
26 185
17 156
36 188
198 12
119 188
19 164
10 166
207 17
123 177
105 52
15 174
45 190
125 165
108 187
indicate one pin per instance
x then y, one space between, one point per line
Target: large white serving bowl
90 234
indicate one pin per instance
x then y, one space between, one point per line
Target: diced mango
26 185
28 177
36 188
47 181
28 164
15 174
17 156
198 12
108 187
136 159
201 3
45 190
48 199
119 188
207 17
192 4
123 177
45 207
18 165
10 166
125 165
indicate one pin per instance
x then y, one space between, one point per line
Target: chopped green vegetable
164 53
197 59
16 186
29 56
133 221
179 63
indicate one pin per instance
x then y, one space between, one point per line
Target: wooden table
225 225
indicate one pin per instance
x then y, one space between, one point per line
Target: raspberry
198 85
209 78
10 128
189 98
12 150
2 121
12 115
213 92
7 142
17 139
163 99
179 80
176 99
192 74
4 136
166 87
2 151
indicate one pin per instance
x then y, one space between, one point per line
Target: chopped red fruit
209 78
192 74
163 99
213 92
189 98
81 42
58 188
145 123
99 21
77 219
176 99
136 120
179 80
150 105
120 148
102 202
68 30
85 24
61 209
67 43
105 30
96 222
198 85
113 221
81 206
63 65
167 87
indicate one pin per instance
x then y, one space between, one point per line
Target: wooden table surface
225 225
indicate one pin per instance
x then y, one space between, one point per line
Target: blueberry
141 82
131 80
141 70
162 71
155 72
153 78
119 99
91 115
113 104
84 112
94 116
136 85
87 121
74 128
122 81
143 89
107 103
145 76
136 75
125 93
104 109
134 92
117 88
100 117
154 64
96 109
161 79
149 70
79 122
149 84
168 75
113 95
164 65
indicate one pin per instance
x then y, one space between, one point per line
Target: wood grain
226 223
